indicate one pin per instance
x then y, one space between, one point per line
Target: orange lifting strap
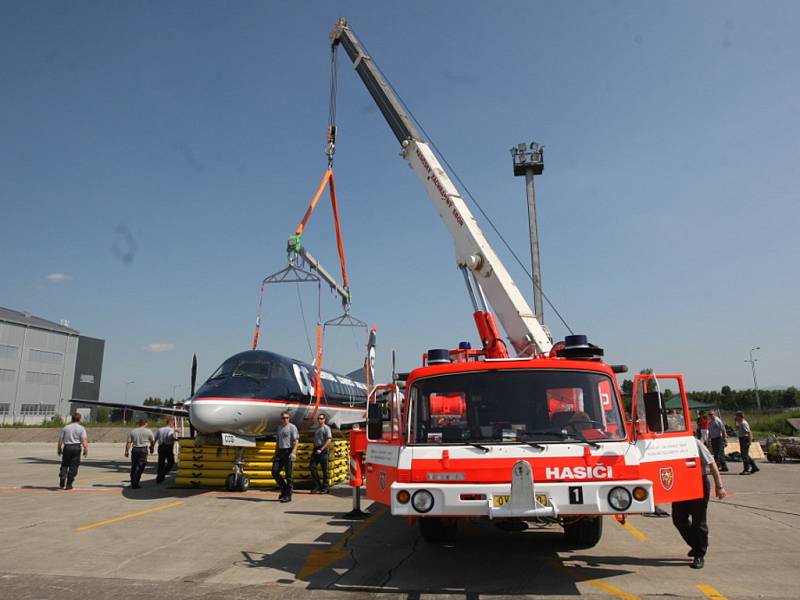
318 391
327 179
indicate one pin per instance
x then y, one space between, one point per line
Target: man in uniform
719 438
139 439
322 441
165 436
745 439
690 516
286 440
70 441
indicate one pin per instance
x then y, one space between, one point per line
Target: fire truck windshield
515 406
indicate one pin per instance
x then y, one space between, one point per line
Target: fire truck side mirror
654 412
375 421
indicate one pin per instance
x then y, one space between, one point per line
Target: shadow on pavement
635 561
385 555
117 466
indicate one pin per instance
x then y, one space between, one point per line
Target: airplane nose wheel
238 481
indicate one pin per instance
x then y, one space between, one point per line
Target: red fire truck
542 435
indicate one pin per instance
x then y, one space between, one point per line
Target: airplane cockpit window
250 375
257 369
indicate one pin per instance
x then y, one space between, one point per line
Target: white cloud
59 277
159 347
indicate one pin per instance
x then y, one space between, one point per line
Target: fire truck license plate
503 500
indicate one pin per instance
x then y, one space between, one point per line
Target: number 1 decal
576 495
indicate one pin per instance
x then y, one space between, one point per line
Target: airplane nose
210 417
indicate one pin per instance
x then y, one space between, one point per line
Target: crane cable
471 197
330 147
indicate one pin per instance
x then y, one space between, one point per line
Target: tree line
729 399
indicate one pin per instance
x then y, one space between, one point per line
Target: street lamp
528 160
175 387
753 362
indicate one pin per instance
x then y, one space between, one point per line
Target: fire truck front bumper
526 502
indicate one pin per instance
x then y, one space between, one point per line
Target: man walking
139 440
719 439
690 516
70 441
165 436
322 442
745 439
286 440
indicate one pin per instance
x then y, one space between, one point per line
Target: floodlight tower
753 362
528 160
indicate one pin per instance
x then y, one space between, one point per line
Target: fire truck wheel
584 533
437 530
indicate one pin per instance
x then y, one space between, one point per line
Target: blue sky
154 157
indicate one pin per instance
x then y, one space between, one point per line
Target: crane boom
473 251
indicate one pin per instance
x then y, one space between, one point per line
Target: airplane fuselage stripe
268 401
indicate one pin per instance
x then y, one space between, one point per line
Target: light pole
528 160
127 383
753 362
175 387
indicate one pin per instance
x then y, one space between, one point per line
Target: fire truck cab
526 439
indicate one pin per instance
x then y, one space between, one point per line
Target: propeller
194 373
194 381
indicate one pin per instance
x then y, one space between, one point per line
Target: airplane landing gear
238 481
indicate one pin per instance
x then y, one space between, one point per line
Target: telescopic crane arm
474 254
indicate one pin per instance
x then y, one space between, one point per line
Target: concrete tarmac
103 539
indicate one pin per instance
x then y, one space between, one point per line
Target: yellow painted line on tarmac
130 516
320 559
635 532
710 592
609 589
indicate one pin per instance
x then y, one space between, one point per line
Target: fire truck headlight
403 496
640 494
619 498
422 501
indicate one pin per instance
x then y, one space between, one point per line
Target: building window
42 378
7 351
7 374
48 358
41 410
4 408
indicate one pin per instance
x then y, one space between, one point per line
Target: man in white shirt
322 442
286 440
690 516
139 440
72 438
165 437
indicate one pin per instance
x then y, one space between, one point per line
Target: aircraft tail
366 374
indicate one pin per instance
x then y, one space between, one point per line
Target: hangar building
43 367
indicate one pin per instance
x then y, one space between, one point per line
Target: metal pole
752 362
535 266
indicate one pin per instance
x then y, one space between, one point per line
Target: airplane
246 394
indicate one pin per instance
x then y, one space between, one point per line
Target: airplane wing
155 410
